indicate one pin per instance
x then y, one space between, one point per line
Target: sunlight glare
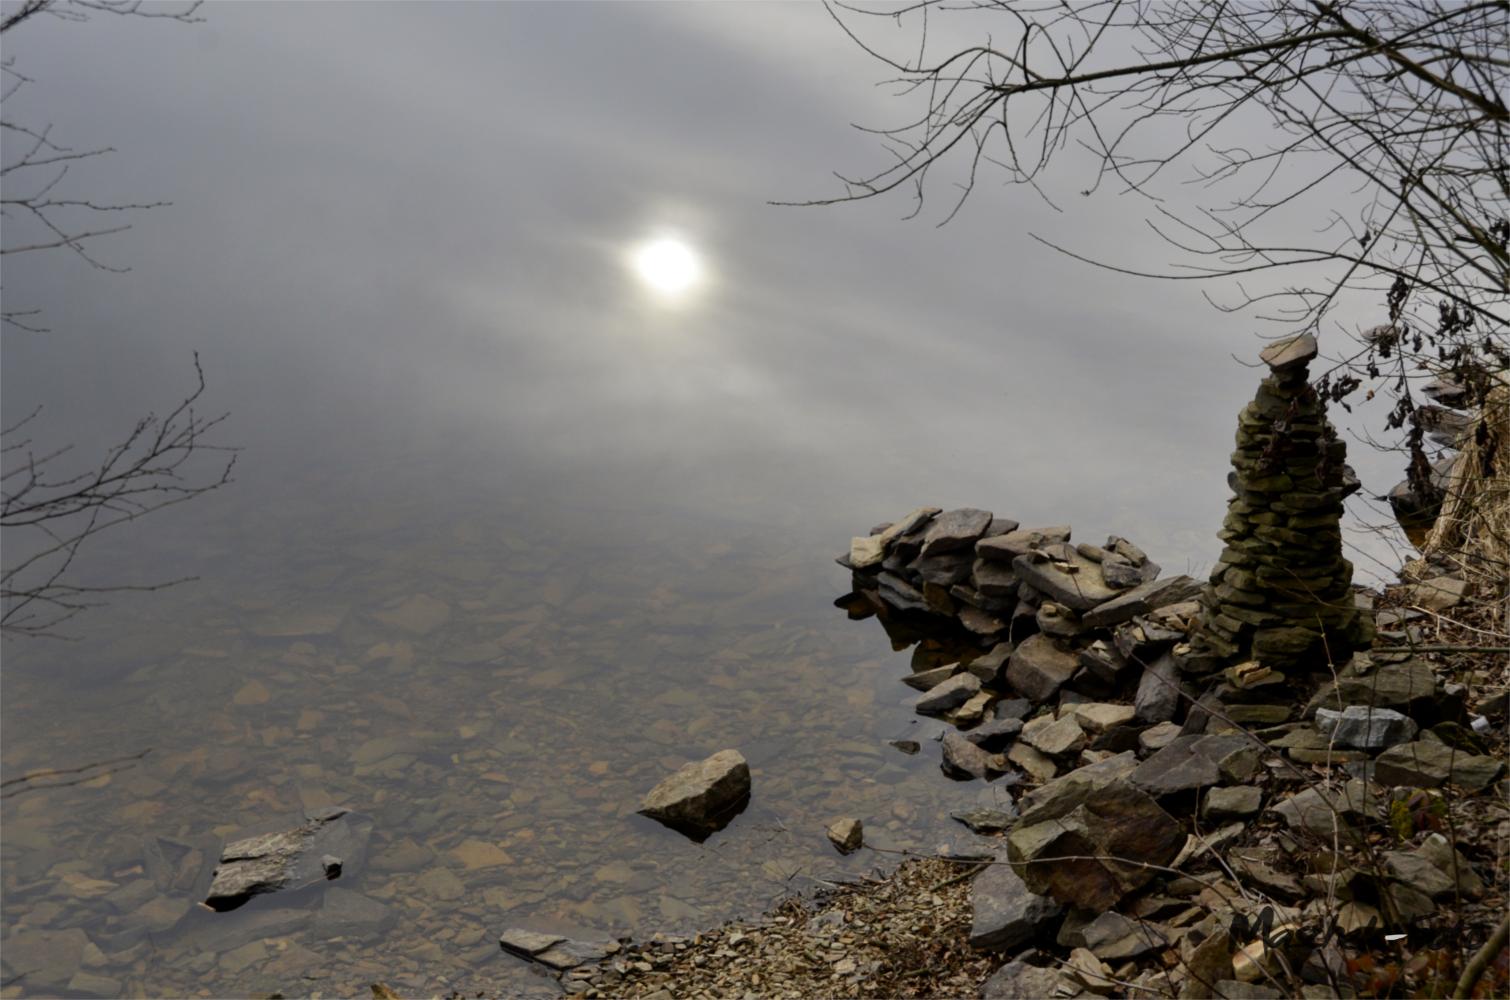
667 266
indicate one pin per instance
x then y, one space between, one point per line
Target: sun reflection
667 266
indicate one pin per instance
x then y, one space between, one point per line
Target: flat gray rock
945 569
986 821
955 531
927 680
1005 913
1225 805
900 594
1141 600
1006 547
996 735
1112 937
994 579
1327 810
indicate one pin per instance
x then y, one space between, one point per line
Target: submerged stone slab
289 853
527 943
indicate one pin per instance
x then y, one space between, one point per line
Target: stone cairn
1281 593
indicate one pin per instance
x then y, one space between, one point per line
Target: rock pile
1281 592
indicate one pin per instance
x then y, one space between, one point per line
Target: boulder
949 694
955 531
1141 600
995 736
1427 764
1437 594
963 757
88 984
701 794
988 668
1038 668
1197 762
1420 874
1073 581
1005 912
1367 728
1098 852
1060 796
289 853
1158 696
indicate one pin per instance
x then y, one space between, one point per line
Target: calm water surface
496 676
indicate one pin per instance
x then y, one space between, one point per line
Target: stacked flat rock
1281 592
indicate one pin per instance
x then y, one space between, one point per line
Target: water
497 680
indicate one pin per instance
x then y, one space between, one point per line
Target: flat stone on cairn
1281 592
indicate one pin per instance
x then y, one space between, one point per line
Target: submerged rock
847 835
289 853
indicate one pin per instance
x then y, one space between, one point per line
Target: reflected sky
393 223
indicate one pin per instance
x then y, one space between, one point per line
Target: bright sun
666 266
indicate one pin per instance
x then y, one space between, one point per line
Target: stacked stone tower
1282 593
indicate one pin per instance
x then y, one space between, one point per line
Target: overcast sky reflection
395 222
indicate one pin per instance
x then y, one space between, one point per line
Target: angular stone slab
1075 581
1005 912
1038 668
927 680
1143 599
1427 764
1197 762
527 943
964 757
1100 851
1289 354
1006 547
949 694
955 531
1158 695
1367 728
1061 795
1017 980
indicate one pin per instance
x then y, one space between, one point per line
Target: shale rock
1141 600
949 695
1197 762
955 531
964 757
1016 980
847 835
1073 581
